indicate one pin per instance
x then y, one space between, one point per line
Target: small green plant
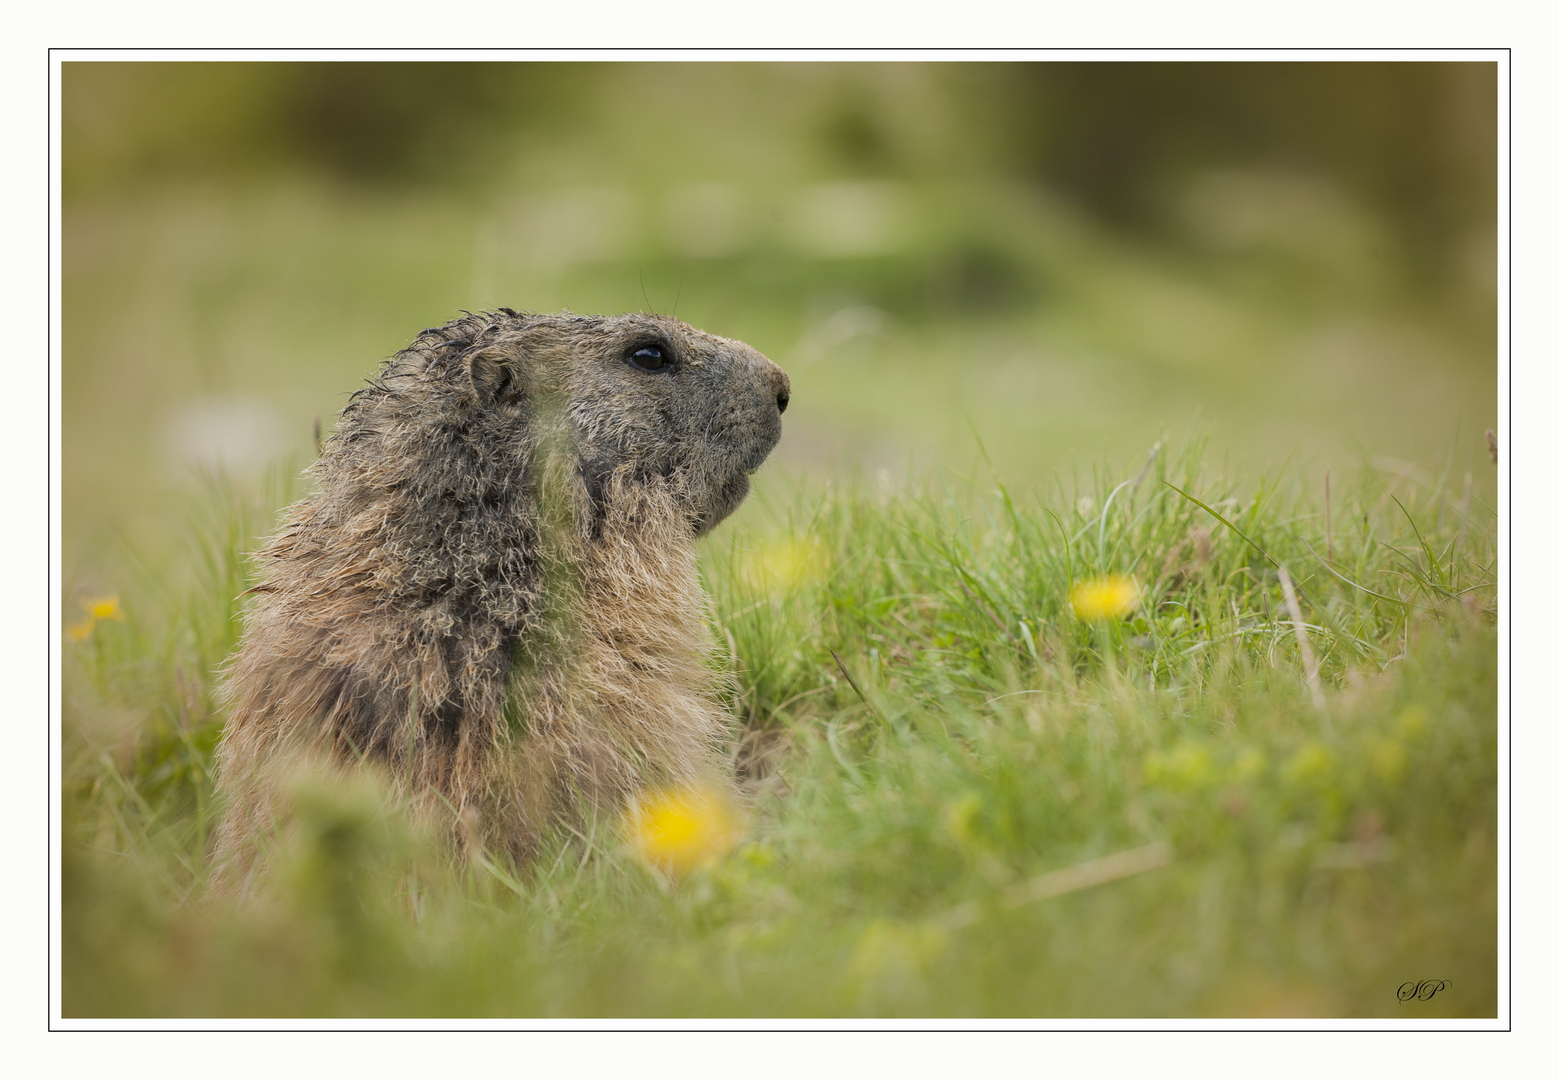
1160 743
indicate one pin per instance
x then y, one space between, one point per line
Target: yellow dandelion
103 607
1100 599
782 566
677 829
97 608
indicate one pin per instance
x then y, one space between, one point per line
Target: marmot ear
496 376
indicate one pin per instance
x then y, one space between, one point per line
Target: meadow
1112 633
1073 752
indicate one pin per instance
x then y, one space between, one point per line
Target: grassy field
1044 745
1156 740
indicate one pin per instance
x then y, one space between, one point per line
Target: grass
208 323
942 761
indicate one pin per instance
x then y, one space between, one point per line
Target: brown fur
492 593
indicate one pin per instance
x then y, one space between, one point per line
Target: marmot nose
781 383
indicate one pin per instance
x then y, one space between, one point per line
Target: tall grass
940 759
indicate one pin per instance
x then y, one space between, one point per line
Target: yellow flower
1105 598
777 568
103 607
677 829
97 609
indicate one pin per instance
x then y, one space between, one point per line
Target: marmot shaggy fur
492 593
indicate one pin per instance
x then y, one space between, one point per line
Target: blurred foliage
369 123
1072 257
1416 141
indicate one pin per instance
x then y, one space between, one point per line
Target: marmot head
650 396
644 399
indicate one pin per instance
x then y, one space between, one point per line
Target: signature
1422 990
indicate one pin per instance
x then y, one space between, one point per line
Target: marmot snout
492 593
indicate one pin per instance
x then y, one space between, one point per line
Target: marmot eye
648 358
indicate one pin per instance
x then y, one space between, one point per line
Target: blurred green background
1069 258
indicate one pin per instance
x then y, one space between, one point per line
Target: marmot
492 592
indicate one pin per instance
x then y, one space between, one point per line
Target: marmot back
492 593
